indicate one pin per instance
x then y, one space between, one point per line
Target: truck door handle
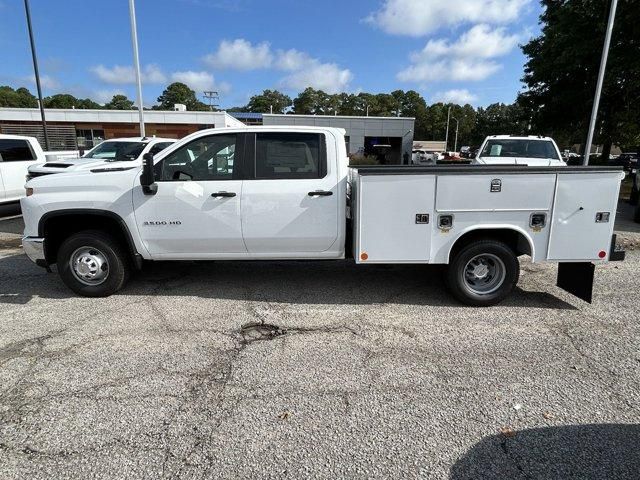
223 194
320 193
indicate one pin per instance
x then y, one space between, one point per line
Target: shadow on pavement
328 282
588 452
9 209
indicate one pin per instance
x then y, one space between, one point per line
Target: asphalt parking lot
315 370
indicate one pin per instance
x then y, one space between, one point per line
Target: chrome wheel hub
484 274
89 265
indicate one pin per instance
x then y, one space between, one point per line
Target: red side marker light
602 254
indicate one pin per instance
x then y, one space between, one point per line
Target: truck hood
75 165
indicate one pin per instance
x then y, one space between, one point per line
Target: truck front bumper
34 249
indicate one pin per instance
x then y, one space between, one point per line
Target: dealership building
70 129
389 138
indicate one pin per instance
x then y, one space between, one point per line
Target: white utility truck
279 193
533 151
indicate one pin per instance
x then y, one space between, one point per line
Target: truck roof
520 137
139 139
5 136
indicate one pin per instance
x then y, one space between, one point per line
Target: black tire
636 215
100 246
496 255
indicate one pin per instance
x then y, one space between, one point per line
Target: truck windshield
116 151
519 148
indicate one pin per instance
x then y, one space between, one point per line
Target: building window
89 137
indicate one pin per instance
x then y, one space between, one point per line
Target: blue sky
452 50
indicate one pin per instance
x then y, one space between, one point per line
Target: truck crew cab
275 193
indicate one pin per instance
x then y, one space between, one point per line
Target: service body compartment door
580 229
395 218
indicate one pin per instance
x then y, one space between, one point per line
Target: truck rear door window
14 150
289 155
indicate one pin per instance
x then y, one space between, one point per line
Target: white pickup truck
276 193
17 154
531 150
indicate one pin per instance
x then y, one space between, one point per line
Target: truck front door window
206 158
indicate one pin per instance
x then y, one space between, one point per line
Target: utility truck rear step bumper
577 278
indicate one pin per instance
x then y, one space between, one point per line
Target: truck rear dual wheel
483 273
93 264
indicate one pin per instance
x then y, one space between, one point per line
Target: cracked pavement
315 370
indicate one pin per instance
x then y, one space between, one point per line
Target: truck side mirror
147 179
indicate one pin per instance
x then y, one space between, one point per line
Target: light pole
455 145
136 63
36 74
603 65
446 135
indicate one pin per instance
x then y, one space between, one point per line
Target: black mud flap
577 279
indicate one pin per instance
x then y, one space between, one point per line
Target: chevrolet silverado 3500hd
267 193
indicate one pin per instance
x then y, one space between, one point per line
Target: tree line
430 124
559 81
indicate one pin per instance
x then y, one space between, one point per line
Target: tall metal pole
136 63
37 74
603 65
455 145
446 135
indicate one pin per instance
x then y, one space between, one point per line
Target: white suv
512 150
113 150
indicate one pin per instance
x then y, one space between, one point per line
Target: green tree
268 99
66 100
19 98
562 68
119 102
308 102
178 92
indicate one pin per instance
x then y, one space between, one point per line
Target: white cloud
328 77
240 54
421 17
470 58
458 96
123 75
305 70
200 81
291 60
46 81
481 41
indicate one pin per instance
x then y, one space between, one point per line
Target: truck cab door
195 212
290 196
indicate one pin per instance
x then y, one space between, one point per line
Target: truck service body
267 193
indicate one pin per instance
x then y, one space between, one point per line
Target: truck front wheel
483 273
92 264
